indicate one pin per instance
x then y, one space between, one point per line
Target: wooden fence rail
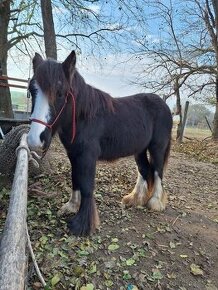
13 258
4 82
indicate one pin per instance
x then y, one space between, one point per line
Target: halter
59 114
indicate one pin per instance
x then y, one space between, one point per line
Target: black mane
90 100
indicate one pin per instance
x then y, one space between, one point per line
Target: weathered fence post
13 257
208 124
184 121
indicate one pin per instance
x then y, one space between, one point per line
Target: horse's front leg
86 220
72 206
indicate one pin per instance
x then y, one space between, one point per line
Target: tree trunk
215 7
178 110
179 127
49 31
180 138
215 122
5 97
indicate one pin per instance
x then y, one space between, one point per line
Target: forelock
49 75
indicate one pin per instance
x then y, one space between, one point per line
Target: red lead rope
73 116
59 114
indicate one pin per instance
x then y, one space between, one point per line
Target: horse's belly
114 149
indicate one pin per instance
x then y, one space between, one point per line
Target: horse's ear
37 60
69 65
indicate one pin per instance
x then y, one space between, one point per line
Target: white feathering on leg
72 205
156 202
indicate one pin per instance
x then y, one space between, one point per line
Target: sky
107 70
110 71
113 77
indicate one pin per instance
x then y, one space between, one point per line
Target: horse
92 125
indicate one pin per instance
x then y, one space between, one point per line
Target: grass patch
194 133
19 99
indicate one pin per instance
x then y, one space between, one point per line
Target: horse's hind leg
159 154
140 194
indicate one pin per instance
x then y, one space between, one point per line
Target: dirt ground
134 248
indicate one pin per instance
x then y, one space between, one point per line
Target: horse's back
130 128
149 107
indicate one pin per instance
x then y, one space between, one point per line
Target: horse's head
49 88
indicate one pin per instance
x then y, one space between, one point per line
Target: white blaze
41 112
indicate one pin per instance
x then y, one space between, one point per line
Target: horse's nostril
45 138
34 142
42 136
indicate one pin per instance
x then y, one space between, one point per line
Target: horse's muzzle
39 142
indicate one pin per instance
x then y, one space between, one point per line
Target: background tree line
175 42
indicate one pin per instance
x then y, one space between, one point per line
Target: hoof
77 228
86 221
68 208
128 200
134 199
156 204
81 228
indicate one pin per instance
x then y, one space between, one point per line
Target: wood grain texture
13 244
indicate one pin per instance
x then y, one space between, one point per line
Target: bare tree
91 26
48 28
184 57
213 19
5 99
15 16
83 24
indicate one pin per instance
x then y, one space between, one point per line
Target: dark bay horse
94 126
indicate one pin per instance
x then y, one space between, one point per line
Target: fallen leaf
87 287
196 270
183 256
126 275
130 262
156 275
93 268
171 275
55 280
172 245
113 247
108 283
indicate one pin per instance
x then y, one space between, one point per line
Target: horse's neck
90 100
83 94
